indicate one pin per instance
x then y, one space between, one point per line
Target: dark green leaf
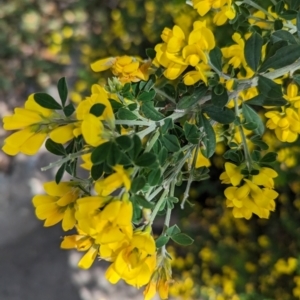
60 172
209 139
97 109
46 101
256 155
114 155
222 115
100 153
252 50
215 57
150 53
55 148
269 157
145 160
132 106
125 114
278 24
125 142
269 88
97 171
146 96
150 83
189 101
284 35
115 104
298 23
150 111
161 241
155 177
262 100
232 155
256 140
69 109
137 184
219 96
251 115
250 126
192 133
283 57
62 90
289 14
182 239
168 124
162 156
136 148
171 143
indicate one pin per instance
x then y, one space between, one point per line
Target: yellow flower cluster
178 52
286 123
252 195
223 9
125 68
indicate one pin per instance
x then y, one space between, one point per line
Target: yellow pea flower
57 205
136 262
232 174
126 68
120 178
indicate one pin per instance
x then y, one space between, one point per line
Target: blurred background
42 41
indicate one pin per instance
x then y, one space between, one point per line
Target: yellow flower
265 177
136 262
82 242
292 95
34 122
286 267
232 174
120 178
226 12
126 68
57 205
286 124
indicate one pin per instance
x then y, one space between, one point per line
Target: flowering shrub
156 124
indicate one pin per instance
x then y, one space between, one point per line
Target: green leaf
262 100
46 101
233 155
251 116
125 142
252 50
269 88
215 57
161 241
141 200
150 111
173 230
250 126
171 143
283 35
209 139
115 104
97 171
100 153
298 23
125 114
283 57
182 239
155 177
289 14
219 96
192 133
69 109
222 115
62 90
190 100
168 124
150 83
97 109
296 78
146 96
55 148
269 157
256 140
150 53
146 159
60 172
114 155
137 184
136 148
255 155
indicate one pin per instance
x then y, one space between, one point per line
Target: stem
162 93
242 134
65 159
190 180
152 141
158 205
134 123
